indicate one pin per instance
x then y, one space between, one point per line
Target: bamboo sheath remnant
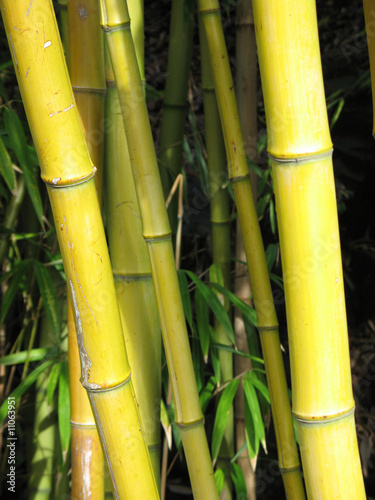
157 233
68 172
301 157
257 267
87 77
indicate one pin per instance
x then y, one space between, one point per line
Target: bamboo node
183 426
323 419
240 178
298 160
56 181
118 27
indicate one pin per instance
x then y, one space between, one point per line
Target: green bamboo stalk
175 104
246 86
67 170
221 251
257 267
157 233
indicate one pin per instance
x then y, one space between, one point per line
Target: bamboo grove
128 359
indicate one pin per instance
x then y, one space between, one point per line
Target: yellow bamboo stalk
132 273
87 77
246 91
257 267
300 149
157 233
369 9
67 170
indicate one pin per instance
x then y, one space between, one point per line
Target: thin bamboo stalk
175 94
87 77
246 91
67 170
258 273
369 9
300 150
157 233
132 273
221 240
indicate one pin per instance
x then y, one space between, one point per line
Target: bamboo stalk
87 77
369 9
132 273
258 273
300 149
246 91
64 28
175 105
221 240
157 233
67 170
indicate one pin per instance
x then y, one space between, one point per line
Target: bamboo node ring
297 160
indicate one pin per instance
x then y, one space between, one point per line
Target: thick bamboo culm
132 273
221 240
369 9
300 150
68 172
175 99
246 92
87 77
157 233
257 267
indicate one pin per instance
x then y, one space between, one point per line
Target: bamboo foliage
67 170
301 157
157 233
258 273
369 9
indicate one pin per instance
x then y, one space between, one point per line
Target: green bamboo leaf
22 388
272 216
64 407
203 323
238 481
6 167
185 295
20 357
252 439
214 303
53 380
214 356
253 404
221 416
166 424
271 255
247 310
20 147
48 293
258 384
206 393
19 271
228 348
219 479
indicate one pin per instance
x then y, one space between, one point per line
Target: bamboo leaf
253 404
22 388
19 271
185 295
271 254
206 393
53 380
262 388
238 480
247 310
221 416
20 357
20 147
48 293
6 167
166 423
214 357
214 303
252 439
219 479
272 216
228 348
203 323
64 407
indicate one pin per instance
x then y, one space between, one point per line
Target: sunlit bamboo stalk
258 273
246 91
157 233
87 76
68 172
300 150
221 237
369 12
132 273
